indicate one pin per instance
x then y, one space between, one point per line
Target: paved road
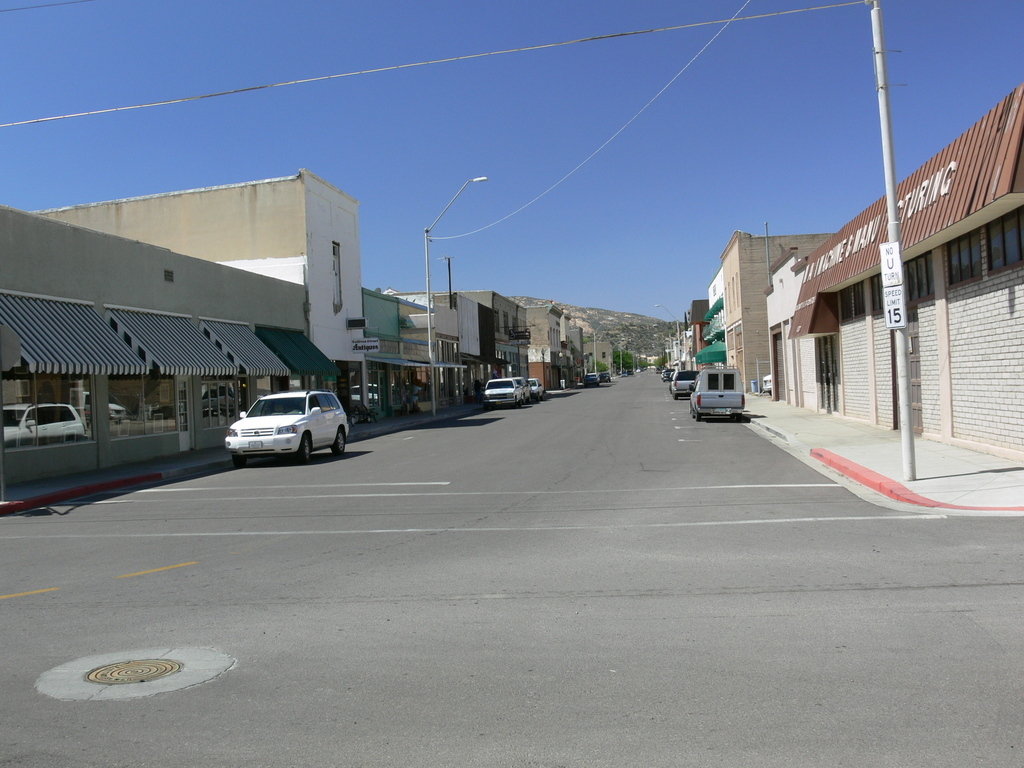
596 580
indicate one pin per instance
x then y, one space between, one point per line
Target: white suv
511 391
295 423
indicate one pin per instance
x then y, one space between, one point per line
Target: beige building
745 277
129 351
297 228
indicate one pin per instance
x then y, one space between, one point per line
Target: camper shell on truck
718 392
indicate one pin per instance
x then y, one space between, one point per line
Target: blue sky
776 121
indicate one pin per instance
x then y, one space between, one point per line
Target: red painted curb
23 505
889 487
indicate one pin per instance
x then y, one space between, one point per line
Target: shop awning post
895 236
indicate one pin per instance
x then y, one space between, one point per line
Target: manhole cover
156 670
135 671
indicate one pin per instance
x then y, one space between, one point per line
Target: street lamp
430 319
677 352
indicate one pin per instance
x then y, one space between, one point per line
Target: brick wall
883 373
986 329
854 352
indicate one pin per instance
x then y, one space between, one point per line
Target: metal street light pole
678 351
889 163
430 304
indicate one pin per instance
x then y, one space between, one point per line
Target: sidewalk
21 497
949 478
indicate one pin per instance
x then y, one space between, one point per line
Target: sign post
894 301
892 256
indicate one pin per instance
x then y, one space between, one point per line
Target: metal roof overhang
300 354
172 343
396 361
60 336
242 346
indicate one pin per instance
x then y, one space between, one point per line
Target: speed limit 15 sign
895 307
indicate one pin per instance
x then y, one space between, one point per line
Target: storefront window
964 259
917 274
851 302
1004 240
144 405
218 402
45 409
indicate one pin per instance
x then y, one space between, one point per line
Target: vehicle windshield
499 384
278 406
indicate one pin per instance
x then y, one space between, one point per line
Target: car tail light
698 401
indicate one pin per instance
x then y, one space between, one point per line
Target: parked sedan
591 380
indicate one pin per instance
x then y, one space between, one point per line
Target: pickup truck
681 384
718 392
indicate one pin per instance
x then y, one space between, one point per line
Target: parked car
666 375
513 392
537 392
766 384
26 424
604 376
284 423
718 392
591 380
681 384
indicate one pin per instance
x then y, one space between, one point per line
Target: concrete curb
889 487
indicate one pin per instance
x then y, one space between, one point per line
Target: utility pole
889 164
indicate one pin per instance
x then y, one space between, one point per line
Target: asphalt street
595 580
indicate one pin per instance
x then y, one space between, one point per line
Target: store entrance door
182 410
828 373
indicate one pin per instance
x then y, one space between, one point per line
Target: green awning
713 353
715 308
297 352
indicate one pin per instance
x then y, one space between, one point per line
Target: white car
295 423
536 390
26 424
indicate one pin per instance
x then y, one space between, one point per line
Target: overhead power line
45 5
611 138
396 67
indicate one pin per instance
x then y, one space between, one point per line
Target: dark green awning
713 353
715 308
297 352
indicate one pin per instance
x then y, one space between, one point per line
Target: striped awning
59 336
243 347
297 352
171 343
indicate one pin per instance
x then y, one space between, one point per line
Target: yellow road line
157 570
33 592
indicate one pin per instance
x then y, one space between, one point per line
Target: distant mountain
642 334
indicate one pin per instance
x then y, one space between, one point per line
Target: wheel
238 461
697 416
675 396
305 449
338 446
